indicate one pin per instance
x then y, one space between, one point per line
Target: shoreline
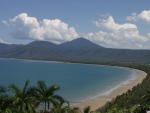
98 101
101 100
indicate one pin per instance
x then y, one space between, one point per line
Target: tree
23 100
46 94
60 106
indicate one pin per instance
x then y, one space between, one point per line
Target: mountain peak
81 43
81 39
39 43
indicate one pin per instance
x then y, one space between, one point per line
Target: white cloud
24 26
118 35
142 16
110 24
111 33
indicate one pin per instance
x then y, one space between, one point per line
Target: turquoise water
77 81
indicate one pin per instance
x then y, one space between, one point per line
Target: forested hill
76 50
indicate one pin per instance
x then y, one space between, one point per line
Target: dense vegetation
30 98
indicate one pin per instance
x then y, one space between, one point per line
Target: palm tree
60 105
46 94
22 98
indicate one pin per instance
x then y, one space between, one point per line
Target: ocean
77 81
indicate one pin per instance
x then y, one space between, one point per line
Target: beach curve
101 100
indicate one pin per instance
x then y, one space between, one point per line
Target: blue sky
79 14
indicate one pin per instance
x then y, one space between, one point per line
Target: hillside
75 51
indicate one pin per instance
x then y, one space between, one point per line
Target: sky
109 23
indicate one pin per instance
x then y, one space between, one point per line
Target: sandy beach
102 100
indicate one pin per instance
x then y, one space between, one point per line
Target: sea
77 81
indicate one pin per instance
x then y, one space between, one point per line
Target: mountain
3 47
77 50
79 43
35 50
6 48
78 47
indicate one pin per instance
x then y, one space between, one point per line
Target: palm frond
26 85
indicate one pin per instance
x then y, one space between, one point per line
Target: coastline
100 101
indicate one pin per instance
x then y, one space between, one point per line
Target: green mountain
76 50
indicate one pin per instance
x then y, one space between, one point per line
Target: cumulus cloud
110 24
24 26
111 34
142 16
117 35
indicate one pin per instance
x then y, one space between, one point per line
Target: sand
123 88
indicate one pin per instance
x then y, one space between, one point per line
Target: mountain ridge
78 50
